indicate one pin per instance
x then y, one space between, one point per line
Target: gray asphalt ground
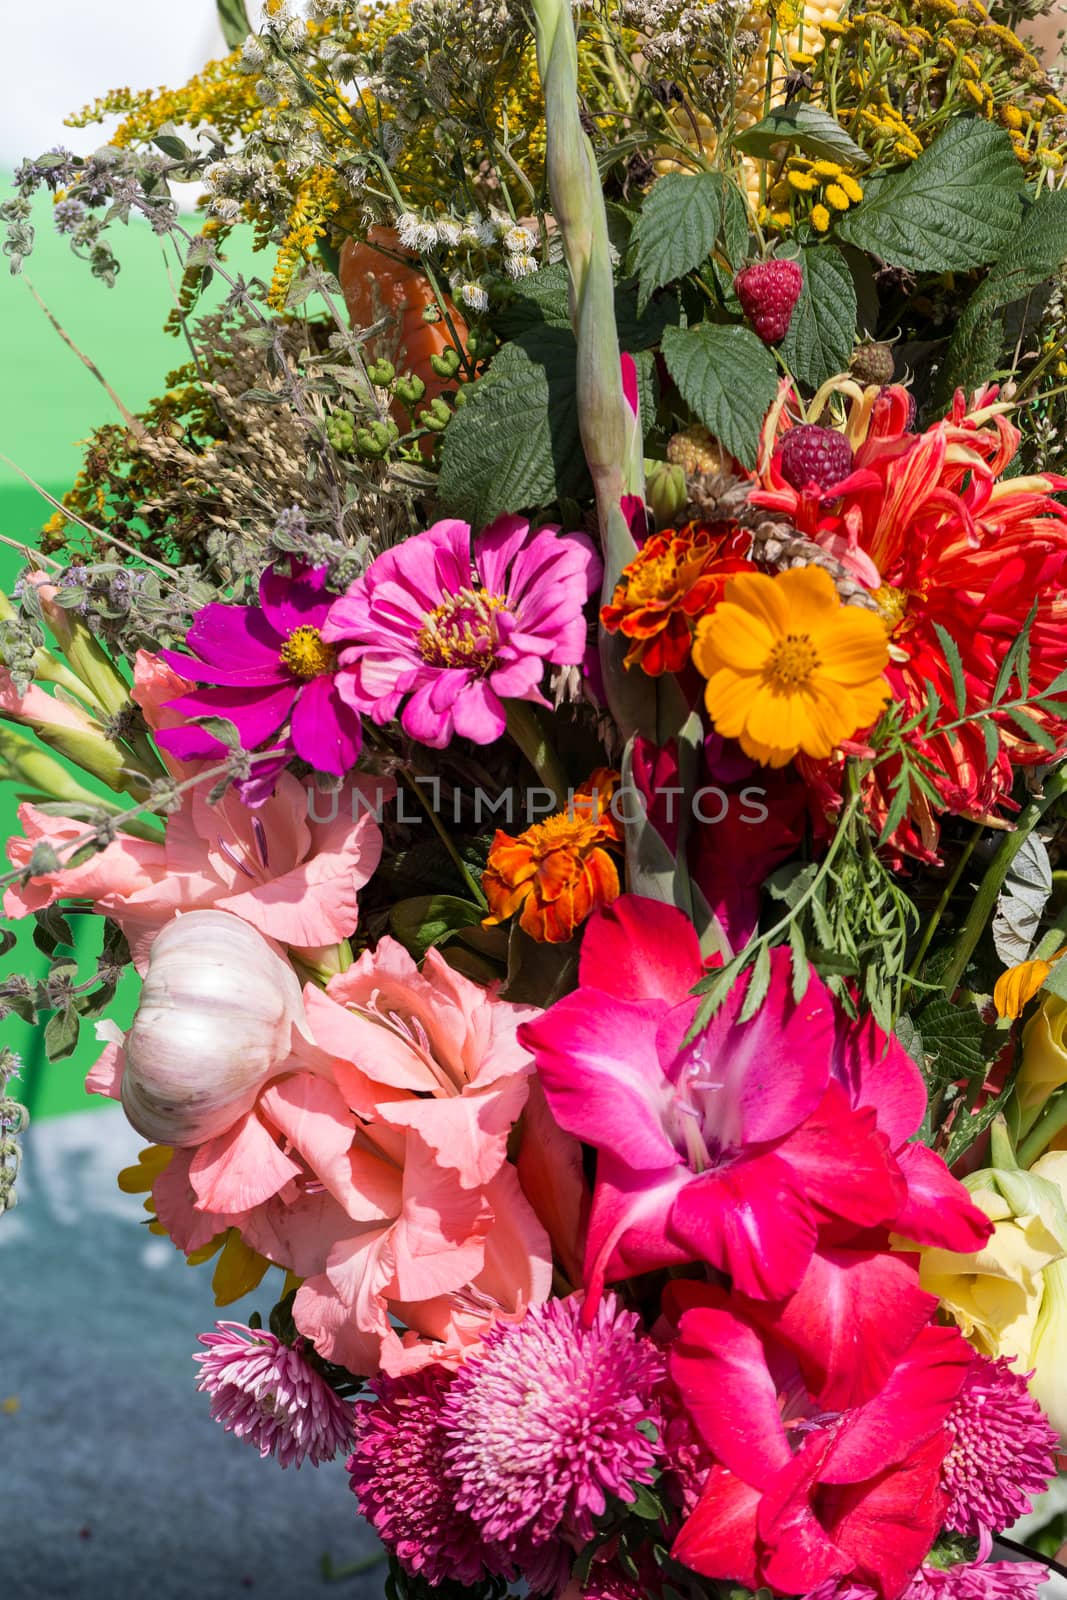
114 1482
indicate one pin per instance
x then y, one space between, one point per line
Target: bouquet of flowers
562 703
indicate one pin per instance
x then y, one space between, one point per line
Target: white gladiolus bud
215 1022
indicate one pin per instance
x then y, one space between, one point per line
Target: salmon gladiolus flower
559 870
790 668
673 580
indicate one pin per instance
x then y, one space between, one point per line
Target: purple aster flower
549 1419
397 1470
452 633
271 673
1002 1452
265 1392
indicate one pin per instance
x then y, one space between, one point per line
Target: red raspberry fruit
768 292
811 454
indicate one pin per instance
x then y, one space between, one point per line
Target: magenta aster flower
1002 1454
980 1580
548 1419
452 633
271 673
268 1393
398 1472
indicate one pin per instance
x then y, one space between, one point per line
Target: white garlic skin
215 1022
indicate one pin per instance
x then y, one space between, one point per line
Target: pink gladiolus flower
269 1394
799 1493
271 673
294 878
749 1146
451 633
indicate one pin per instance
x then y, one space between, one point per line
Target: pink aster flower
547 1421
271 673
398 1472
451 632
1002 1454
268 1393
980 1580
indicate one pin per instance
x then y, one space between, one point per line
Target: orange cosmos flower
790 668
559 870
676 577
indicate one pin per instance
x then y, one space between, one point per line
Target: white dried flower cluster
674 32
473 295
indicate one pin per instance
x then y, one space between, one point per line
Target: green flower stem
1052 1121
442 833
942 905
528 732
985 900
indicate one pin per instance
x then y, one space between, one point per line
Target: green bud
665 491
99 678
447 364
381 373
374 441
410 389
23 762
436 415
431 314
459 398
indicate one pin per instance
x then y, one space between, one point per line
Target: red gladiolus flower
802 1492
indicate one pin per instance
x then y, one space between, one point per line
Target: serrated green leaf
808 128
966 1129
233 20
897 808
1016 661
759 981
681 222
543 300
957 206
728 379
800 963
1036 251
1032 730
956 1042
991 740
822 332
61 1034
955 667
714 989
430 919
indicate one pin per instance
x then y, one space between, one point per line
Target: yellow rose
1044 1063
1048 1347
995 1295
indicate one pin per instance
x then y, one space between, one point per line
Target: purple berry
811 454
768 292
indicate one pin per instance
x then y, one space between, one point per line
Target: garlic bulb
215 1022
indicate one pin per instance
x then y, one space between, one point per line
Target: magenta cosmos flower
763 1148
269 1394
271 673
450 633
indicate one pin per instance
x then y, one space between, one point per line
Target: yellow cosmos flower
790 668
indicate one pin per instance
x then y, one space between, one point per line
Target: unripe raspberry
695 451
810 454
768 292
872 363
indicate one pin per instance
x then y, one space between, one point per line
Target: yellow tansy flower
851 188
837 197
820 218
790 668
803 182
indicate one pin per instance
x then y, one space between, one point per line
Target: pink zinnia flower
268 666
398 1471
1002 1454
454 633
268 1393
548 1420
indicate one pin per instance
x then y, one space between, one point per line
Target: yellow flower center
791 662
893 604
306 653
463 631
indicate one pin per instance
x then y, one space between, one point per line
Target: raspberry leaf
958 206
683 220
819 341
728 379
807 127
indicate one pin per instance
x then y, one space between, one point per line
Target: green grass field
49 402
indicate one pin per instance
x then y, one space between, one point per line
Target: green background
49 401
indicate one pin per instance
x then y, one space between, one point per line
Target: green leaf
955 666
759 981
956 1042
1035 253
233 20
61 1034
807 127
1032 730
728 379
801 966
431 919
966 1129
821 334
958 206
681 222
1022 901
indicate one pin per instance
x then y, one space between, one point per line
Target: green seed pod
381 373
447 364
410 389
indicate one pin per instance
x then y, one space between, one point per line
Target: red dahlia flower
931 524
800 1492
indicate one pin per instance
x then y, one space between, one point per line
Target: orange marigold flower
790 668
675 578
559 870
